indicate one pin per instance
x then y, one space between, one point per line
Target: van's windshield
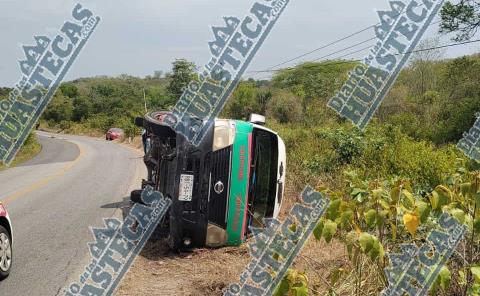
263 178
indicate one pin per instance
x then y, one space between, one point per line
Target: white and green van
231 181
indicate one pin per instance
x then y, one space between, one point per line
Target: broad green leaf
302 278
395 194
435 200
462 278
444 190
300 290
357 191
350 239
382 217
377 250
317 231
370 217
459 215
292 274
366 242
435 285
393 228
329 230
476 225
476 273
408 200
477 200
283 288
332 212
346 217
465 188
406 185
444 194
361 197
445 277
474 290
384 204
423 211
377 194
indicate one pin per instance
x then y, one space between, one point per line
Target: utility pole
145 100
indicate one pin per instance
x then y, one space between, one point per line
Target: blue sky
139 37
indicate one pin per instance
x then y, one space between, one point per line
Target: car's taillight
3 211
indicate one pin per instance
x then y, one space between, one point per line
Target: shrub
285 107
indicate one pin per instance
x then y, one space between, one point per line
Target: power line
397 54
339 57
333 42
330 44
328 55
321 47
343 49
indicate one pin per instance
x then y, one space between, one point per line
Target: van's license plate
186 188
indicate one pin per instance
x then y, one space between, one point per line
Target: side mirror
257 119
139 121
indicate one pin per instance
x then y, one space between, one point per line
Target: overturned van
231 181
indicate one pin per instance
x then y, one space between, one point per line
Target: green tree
82 108
462 17
158 98
59 109
183 73
243 102
313 81
69 89
285 107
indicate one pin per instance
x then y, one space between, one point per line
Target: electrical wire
330 44
397 54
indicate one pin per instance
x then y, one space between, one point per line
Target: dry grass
30 149
159 271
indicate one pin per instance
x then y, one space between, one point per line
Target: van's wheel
5 253
136 196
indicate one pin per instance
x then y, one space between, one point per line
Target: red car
114 134
5 243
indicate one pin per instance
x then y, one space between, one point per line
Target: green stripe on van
238 183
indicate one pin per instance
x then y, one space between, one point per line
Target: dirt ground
159 271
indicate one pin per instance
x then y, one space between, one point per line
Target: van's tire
136 196
5 254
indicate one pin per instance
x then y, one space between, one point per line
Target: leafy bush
285 107
243 102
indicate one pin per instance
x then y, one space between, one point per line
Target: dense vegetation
96 104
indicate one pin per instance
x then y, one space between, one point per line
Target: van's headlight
224 134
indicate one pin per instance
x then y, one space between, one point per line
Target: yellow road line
43 182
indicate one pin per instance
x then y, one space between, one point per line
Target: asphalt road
54 198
